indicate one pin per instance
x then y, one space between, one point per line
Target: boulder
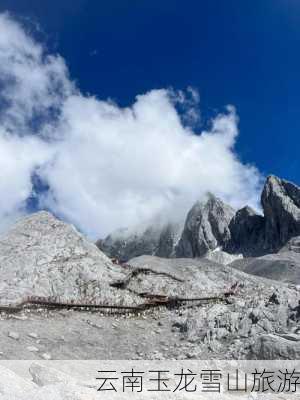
274 347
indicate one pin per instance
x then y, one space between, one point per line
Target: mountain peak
206 227
281 204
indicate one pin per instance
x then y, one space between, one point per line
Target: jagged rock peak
206 227
211 224
275 186
281 204
245 212
158 239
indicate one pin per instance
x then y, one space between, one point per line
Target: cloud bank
105 166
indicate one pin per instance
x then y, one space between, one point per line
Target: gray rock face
274 347
159 240
125 245
168 240
253 234
213 224
206 228
247 232
42 256
281 203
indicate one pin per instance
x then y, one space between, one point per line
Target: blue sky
232 52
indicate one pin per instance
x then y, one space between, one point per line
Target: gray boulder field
218 329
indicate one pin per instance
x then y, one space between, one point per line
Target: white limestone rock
43 256
13 384
222 257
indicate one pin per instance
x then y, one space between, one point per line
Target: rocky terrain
218 329
225 285
283 266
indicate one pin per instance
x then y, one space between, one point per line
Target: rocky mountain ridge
211 224
158 240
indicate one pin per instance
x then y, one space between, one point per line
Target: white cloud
33 84
107 166
18 159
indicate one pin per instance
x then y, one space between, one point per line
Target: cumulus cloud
106 166
33 84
